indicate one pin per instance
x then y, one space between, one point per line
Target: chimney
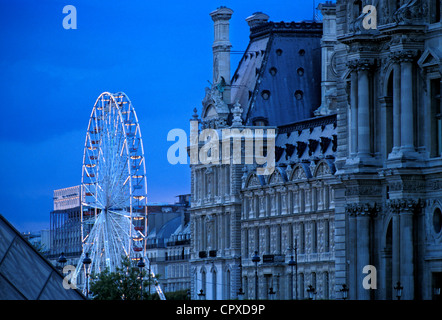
221 49
256 19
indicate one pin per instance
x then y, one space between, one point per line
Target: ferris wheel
114 188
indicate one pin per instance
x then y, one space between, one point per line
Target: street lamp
240 291
344 291
62 260
86 262
241 294
141 265
149 279
202 295
256 259
292 263
398 289
311 292
271 293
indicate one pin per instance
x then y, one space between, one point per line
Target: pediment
430 57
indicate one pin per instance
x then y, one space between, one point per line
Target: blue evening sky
157 52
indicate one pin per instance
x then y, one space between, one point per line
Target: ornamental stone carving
362 209
414 12
404 205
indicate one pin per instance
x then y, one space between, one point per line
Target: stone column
363 110
403 245
354 114
395 253
363 250
359 247
408 207
351 253
407 123
396 106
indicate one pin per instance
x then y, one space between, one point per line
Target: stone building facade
358 172
168 244
388 161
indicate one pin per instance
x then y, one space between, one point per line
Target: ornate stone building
358 172
389 166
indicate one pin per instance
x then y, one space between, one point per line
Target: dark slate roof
310 139
169 228
281 59
24 273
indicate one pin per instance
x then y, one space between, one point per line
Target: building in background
65 225
168 244
41 240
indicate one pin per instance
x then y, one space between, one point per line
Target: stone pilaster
403 211
360 215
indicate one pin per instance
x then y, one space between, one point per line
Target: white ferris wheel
114 188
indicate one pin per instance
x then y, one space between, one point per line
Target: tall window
302 237
327 235
227 230
436 121
246 242
278 239
326 285
203 281
435 11
228 285
214 284
314 237
267 231
257 239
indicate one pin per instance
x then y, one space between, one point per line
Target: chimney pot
257 19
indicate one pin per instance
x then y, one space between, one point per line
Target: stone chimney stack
221 50
256 19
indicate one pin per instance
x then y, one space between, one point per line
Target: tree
123 284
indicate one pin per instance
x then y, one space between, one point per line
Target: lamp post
141 265
86 262
344 291
398 289
240 291
240 294
256 259
201 295
294 264
62 260
311 292
271 293
149 270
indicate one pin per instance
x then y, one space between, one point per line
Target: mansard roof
278 79
308 140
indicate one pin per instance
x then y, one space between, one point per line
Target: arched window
203 281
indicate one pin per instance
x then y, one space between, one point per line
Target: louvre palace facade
357 180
